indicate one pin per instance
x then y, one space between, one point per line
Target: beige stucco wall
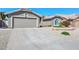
46 23
76 23
19 15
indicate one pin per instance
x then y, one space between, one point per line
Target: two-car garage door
24 23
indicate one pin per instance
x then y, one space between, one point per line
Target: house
23 18
56 20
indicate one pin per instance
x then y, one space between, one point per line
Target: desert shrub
66 23
65 33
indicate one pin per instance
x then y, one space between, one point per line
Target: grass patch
65 33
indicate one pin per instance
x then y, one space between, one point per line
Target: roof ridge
23 10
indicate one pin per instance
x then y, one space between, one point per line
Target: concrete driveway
42 39
4 37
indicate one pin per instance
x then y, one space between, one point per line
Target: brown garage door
24 23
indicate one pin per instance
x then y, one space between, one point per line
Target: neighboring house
23 18
57 19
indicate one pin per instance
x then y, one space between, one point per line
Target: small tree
2 16
2 24
66 23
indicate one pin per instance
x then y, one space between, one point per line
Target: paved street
38 39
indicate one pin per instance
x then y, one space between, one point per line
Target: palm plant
2 24
2 15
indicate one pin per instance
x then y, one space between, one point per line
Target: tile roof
72 16
23 10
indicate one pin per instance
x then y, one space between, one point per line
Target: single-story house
57 19
23 18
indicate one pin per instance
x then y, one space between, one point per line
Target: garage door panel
24 23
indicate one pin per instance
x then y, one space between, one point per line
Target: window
56 21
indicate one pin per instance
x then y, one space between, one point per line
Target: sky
46 11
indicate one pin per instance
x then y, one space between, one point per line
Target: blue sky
47 11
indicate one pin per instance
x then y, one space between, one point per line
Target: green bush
65 33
